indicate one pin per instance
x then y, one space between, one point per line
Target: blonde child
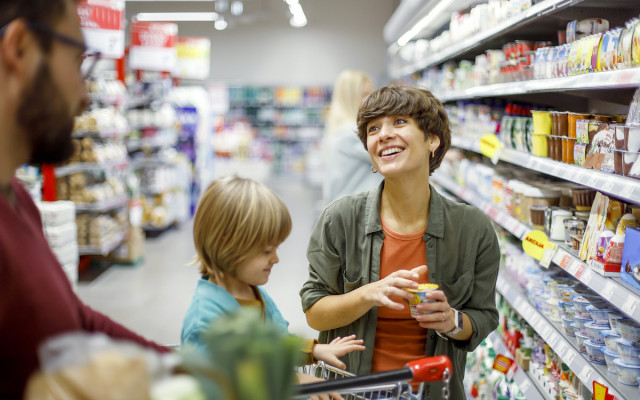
237 228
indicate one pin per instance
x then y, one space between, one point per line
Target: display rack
91 167
562 344
106 247
626 189
473 42
527 384
618 79
613 290
103 206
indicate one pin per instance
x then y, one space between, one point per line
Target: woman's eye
373 129
401 121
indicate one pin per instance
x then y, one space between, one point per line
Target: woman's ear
434 143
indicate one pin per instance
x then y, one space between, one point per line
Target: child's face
256 270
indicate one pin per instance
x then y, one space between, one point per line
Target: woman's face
256 269
397 146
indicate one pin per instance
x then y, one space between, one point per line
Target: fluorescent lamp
435 11
177 16
220 24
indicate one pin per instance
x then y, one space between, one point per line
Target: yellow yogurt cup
419 296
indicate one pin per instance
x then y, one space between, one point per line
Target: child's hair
235 218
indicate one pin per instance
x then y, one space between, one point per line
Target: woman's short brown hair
235 218
417 103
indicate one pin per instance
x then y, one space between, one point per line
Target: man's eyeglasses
89 57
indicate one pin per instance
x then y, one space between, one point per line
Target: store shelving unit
103 206
562 344
626 189
91 167
618 79
527 384
105 249
613 290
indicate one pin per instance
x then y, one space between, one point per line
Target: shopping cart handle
430 369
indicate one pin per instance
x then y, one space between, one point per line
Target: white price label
553 340
608 186
524 386
548 254
545 330
573 267
561 349
592 181
530 162
586 277
571 174
630 305
583 178
569 357
607 291
585 374
627 191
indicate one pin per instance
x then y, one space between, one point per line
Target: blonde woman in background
347 166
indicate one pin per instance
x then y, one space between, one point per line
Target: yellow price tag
535 243
491 147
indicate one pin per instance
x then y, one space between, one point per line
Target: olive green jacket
463 257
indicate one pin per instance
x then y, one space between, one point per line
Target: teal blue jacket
209 302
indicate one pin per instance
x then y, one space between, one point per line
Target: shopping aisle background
151 298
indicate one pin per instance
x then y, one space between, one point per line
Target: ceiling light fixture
185 16
298 19
237 8
420 25
220 24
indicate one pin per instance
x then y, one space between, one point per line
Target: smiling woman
368 250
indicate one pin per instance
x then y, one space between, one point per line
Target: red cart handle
430 369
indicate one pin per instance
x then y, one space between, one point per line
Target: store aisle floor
151 298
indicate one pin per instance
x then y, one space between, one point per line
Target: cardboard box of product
131 250
630 272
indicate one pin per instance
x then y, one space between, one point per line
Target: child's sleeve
307 349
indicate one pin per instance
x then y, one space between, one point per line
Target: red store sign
102 23
153 46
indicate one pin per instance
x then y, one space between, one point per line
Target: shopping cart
380 385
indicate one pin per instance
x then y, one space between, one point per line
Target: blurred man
41 91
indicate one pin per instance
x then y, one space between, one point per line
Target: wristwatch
457 320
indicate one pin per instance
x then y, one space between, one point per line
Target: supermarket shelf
503 218
564 346
103 206
626 189
528 386
618 79
106 133
613 290
105 249
91 167
154 142
476 41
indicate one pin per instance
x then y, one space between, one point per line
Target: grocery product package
94 366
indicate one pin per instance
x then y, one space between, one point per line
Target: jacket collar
435 226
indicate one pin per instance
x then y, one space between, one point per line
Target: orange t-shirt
399 339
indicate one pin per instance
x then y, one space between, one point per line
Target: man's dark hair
43 12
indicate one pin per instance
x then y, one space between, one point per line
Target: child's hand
338 347
304 378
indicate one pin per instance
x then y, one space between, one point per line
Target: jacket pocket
459 289
350 284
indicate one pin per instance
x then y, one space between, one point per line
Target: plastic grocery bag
94 366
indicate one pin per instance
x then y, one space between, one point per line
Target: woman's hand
338 347
304 378
439 317
386 292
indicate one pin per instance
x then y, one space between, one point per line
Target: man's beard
46 119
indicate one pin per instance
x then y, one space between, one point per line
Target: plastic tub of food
628 352
623 161
581 303
583 198
580 322
580 339
536 216
541 122
595 332
571 122
567 149
600 314
419 297
569 326
610 338
630 330
627 374
594 352
567 309
614 318
609 356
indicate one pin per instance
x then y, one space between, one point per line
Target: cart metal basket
380 385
